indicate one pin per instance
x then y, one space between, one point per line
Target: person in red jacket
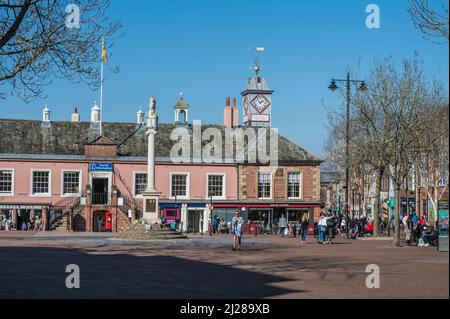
369 228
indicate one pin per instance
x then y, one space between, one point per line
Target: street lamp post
353 202
333 87
210 215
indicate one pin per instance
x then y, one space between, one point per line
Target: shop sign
100 167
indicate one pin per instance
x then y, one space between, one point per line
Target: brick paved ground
32 265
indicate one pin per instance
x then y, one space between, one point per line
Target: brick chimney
227 114
235 114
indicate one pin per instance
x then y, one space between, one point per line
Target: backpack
330 222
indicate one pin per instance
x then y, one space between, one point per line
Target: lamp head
333 87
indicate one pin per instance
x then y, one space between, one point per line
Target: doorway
194 219
102 221
100 191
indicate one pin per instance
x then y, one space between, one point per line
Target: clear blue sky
200 48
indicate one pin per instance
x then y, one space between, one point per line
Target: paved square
33 266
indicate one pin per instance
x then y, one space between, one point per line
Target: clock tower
257 100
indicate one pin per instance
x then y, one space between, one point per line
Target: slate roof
68 138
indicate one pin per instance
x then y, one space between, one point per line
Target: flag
104 58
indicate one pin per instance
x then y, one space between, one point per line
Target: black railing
100 198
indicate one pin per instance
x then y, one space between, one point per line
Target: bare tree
432 22
386 122
432 159
38 42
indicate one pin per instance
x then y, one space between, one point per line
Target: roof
329 177
69 138
257 84
181 104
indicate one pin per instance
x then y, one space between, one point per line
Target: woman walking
304 228
236 229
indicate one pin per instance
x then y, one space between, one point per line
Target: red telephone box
108 222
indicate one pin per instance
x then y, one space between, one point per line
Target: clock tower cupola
257 100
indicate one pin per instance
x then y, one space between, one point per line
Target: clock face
260 103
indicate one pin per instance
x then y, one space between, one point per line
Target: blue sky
201 48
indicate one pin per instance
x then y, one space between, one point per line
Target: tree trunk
377 203
397 215
417 196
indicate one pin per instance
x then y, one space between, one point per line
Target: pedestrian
282 224
343 226
330 221
236 229
304 228
215 223
8 224
321 228
407 227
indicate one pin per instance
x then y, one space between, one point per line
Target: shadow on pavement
27 272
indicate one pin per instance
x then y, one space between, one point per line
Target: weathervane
257 66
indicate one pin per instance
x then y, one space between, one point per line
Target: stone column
133 216
44 218
184 217
151 195
88 209
114 202
151 161
14 217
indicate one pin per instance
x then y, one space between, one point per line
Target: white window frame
300 192
80 182
224 186
188 185
134 182
10 194
49 194
271 185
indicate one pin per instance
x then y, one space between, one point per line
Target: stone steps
139 233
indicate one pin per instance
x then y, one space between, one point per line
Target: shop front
171 213
21 217
265 216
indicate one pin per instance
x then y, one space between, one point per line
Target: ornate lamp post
333 87
151 195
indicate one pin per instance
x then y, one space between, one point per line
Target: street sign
442 227
100 167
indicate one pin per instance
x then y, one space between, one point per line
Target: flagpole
101 98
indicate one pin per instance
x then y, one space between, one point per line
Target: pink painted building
68 176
